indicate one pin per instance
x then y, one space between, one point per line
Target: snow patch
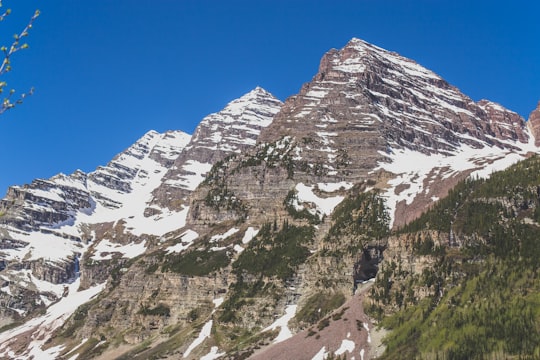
213 354
331 187
205 332
249 235
227 234
324 205
284 333
321 355
368 333
346 346
128 251
412 168
45 325
186 239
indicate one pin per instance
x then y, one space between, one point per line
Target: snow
317 93
6 290
44 325
41 246
238 249
362 354
75 348
213 354
346 346
227 234
331 187
205 332
51 194
41 285
324 205
413 168
284 333
186 239
249 235
218 301
128 251
368 333
197 173
321 355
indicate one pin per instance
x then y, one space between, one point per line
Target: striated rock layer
257 226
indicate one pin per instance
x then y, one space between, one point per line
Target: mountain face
230 131
48 225
258 226
534 124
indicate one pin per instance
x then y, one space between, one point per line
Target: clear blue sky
107 71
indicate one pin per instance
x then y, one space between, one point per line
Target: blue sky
107 71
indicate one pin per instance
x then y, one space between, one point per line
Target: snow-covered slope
230 131
47 226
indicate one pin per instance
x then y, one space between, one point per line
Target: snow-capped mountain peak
230 131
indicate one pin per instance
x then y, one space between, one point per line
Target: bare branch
5 66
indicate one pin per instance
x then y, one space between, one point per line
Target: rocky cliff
534 124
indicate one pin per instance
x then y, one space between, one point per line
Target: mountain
462 280
271 220
111 213
230 131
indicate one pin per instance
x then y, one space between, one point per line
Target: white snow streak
412 168
213 354
186 239
44 325
321 355
227 234
282 323
249 235
128 251
205 332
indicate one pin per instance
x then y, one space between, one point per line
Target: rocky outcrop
534 124
230 131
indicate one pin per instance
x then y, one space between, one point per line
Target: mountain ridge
374 139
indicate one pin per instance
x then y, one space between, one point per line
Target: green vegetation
220 197
318 306
364 214
196 262
159 310
290 200
483 297
275 253
357 220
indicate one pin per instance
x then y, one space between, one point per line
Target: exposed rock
230 131
534 124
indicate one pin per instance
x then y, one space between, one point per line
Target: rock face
228 132
266 207
363 89
110 215
534 124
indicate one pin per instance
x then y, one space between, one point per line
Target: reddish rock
534 124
